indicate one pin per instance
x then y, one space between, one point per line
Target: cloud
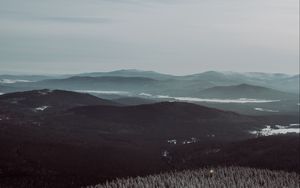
25 16
89 20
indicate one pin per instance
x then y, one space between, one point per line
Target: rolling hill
166 120
245 91
74 145
134 101
40 100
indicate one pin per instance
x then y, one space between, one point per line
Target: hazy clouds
164 35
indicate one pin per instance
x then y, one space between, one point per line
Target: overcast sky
170 36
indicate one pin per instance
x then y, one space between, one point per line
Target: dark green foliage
234 177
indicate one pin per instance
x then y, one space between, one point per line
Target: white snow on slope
145 94
190 141
265 110
294 124
41 108
173 141
268 130
46 92
165 153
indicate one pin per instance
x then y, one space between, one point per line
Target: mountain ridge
246 91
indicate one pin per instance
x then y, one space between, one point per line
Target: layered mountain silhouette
57 138
97 83
245 91
133 101
157 83
129 73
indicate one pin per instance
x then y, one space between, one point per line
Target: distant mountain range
23 78
288 83
135 87
99 83
129 73
245 91
160 83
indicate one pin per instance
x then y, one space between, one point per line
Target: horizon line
28 73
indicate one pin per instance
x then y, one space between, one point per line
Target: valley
63 138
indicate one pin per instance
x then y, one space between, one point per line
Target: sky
169 36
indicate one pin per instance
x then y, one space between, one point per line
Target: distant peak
251 86
246 85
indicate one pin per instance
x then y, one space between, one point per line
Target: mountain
40 100
10 88
6 89
165 120
245 91
7 79
75 145
289 84
282 82
97 83
134 101
160 84
129 73
231 76
191 84
18 83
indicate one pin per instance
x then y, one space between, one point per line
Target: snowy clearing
279 129
41 108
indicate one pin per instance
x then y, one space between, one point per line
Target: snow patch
294 124
211 135
45 92
279 129
190 141
145 94
173 141
165 153
3 117
265 110
41 108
